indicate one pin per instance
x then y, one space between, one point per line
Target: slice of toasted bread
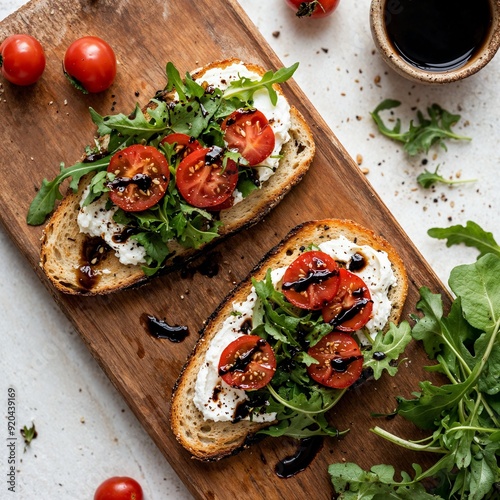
210 440
63 246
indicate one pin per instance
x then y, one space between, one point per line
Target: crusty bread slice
63 245
209 440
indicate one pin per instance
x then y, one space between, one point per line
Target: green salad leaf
471 235
463 415
420 137
244 88
353 483
386 349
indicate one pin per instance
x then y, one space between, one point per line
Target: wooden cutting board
49 123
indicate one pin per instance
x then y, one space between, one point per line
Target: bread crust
62 244
210 441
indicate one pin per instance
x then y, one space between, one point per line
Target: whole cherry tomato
90 63
119 488
313 8
22 59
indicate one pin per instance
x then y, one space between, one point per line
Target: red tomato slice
340 361
185 144
141 180
352 307
249 133
202 180
311 281
247 363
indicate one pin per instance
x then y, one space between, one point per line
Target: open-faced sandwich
211 154
320 310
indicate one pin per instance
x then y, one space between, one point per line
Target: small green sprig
421 136
28 434
428 179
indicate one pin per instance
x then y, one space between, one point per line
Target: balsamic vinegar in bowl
438 35
436 41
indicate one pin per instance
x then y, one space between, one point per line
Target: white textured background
86 432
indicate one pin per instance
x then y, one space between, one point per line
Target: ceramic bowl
404 68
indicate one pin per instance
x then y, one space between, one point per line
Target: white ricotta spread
96 220
278 116
215 399
377 275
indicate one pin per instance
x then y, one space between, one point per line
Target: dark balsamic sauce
160 329
308 449
208 267
94 250
142 181
125 234
214 155
341 365
379 355
437 35
314 276
351 312
357 263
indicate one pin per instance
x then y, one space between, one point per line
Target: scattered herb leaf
29 433
427 179
419 137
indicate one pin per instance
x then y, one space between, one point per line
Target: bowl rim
401 66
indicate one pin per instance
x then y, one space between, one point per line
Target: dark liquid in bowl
437 35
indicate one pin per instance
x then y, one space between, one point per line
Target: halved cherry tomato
311 281
22 59
119 488
91 63
202 180
141 180
352 307
313 8
222 206
340 361
185 144
249 133
247 363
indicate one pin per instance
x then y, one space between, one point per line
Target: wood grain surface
49 122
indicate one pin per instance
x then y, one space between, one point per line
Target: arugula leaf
464 414
479 286
426 410
471 235
389 346
428 179
44 201
245 88
136 124
351 482
419 138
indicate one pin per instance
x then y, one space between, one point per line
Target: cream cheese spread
95 220
215 399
